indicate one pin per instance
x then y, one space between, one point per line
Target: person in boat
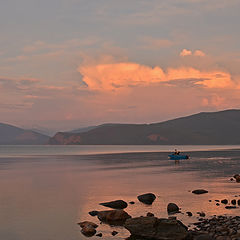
176 152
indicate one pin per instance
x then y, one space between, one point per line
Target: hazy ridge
206 128
203 128
11 135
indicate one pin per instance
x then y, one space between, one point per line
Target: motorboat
178 156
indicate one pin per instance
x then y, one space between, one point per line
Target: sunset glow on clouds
87 63
115 76
197 53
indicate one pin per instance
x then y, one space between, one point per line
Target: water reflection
44 197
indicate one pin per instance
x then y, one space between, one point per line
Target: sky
66 64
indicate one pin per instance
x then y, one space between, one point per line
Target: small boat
178 156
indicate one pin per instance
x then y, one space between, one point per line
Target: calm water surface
46 190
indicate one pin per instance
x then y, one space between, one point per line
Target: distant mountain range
11 135
206 128
86 129
211 128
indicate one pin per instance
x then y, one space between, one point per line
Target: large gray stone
156 228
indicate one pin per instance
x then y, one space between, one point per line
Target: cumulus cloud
115 76
208 79
199 53
118 75
185 52
196 53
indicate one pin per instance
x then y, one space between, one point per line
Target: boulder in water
224 201
118 204
199 191
172 208
93 213
114 217
156 228
147 198
88 228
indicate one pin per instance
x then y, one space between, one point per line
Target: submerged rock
156 228
172 208
149 214
93 213
230 207
189 214
224 201
118 204
199 191
147 198
114 217
114 233
88 228
201 214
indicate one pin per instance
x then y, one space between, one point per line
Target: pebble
149 214
230 207
114 233
189 214
201 214
218 228
224 201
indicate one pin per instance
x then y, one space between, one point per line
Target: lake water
46 190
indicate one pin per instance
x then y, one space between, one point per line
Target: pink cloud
185 52
120 75
196 53
117 76
208 79
199 53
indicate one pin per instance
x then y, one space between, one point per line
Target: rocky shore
217 227
150 227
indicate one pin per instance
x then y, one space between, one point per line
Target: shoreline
216 227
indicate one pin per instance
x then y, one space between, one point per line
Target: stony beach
149 227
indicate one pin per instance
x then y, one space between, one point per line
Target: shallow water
43 196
